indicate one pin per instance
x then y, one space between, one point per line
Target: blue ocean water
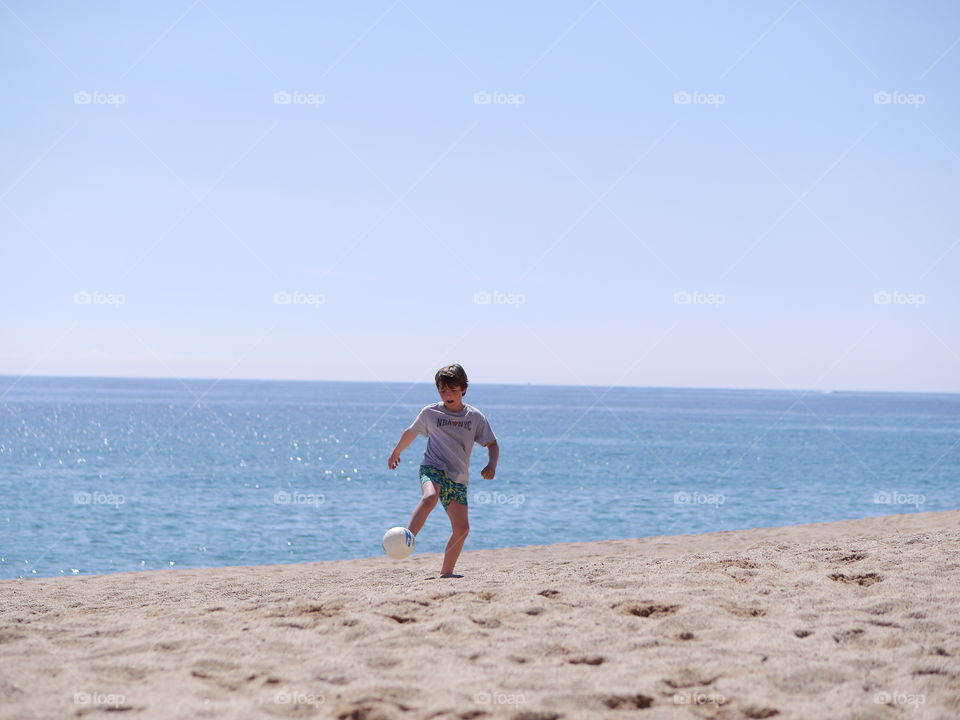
112 475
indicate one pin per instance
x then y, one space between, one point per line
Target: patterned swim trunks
448 489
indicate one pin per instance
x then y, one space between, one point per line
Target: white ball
398 542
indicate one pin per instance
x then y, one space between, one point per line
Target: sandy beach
853 619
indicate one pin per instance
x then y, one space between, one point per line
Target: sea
107 475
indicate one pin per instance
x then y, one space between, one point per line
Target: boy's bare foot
450 575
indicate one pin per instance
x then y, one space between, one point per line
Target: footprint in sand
865 580
303 617
402 619
931 671
333 679
370 708
646 609
759 713
404 610
169 645
887 606
853 557
745 611
471 595
845 636
219 673
687 678
486 622
628 702
586 660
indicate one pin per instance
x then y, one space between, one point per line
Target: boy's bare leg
460 524
428 501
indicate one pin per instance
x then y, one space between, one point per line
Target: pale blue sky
587 199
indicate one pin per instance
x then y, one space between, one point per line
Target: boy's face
452 396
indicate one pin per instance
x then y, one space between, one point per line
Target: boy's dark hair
451 376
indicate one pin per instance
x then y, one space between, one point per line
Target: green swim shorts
448 489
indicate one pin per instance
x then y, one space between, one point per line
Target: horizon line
511 384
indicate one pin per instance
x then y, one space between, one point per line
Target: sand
853 619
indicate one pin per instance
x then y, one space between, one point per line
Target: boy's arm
493 453
408 437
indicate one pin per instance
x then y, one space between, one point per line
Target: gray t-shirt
450 438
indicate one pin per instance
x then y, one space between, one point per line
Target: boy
451 427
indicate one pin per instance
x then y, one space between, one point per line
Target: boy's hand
393 461
488 472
